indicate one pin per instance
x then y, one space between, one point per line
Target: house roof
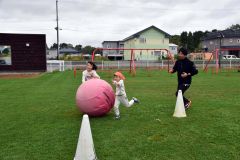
111 42
135 35
230 47
68 50
229 33
173 45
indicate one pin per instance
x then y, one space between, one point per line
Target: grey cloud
26 9
92 21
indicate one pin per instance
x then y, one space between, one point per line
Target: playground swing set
132 65
217 54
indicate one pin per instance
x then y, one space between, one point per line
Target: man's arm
194 70
174 69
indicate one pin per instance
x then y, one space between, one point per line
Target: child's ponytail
94 66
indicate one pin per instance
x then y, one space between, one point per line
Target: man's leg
183 88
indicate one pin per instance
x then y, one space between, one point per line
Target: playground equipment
132 65
75 72
95 97
215 55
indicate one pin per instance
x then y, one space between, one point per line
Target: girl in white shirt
90 72
121 96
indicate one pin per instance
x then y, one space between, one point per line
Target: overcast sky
89 22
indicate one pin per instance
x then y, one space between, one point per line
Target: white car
230 57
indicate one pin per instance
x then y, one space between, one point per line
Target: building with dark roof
227 39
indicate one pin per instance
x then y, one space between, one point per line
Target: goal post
132 65
217 54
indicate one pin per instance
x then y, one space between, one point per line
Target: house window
5 55
157 53
142 39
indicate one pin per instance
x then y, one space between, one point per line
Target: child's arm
116 83
83 77
95 75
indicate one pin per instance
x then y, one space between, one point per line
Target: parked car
230 57
2 61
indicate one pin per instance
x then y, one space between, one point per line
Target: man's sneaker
117 117
135 100
188 105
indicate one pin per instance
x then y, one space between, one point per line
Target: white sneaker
135 100
117 117
188 105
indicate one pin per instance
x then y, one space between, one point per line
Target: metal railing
122 65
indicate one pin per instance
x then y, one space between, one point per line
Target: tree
175 39
184 39
54 46
190 44
234 26
78 47
205 33
88 50
69 45
214 30
63 45
197 39
6 51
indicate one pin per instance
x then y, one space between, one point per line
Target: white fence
105 65
53 65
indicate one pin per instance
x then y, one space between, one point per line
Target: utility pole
57 28
220 46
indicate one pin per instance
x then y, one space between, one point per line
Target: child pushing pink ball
95 97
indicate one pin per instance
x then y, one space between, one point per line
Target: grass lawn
39 119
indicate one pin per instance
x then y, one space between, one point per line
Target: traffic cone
85 147
179 108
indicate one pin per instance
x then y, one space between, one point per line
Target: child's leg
116 106
124 101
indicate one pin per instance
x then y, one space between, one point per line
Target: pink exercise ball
95 97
